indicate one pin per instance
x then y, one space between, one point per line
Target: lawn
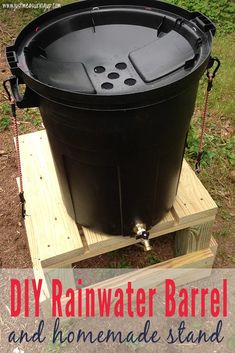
218 164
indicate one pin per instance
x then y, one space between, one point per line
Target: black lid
117 47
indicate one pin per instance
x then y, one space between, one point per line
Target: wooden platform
55 240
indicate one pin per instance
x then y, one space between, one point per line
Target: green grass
221 12
223 233
5 116
152 258
222 96
32 115
5 122
122 263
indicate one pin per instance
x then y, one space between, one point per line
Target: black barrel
116 83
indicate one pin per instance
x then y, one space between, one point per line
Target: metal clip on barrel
212 75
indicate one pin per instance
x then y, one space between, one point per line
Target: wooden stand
55 240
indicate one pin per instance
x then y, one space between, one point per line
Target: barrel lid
117 48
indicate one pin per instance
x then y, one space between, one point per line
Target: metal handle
28 100
211 63
14 83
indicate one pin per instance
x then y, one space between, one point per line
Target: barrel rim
130 99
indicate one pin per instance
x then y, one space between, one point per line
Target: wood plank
193 201
213 246
95 239
154 276
193 238
52 231
195 260
65 275
118 243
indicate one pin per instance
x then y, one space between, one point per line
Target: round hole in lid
130 82
99 69
107 85
113 75
121 66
